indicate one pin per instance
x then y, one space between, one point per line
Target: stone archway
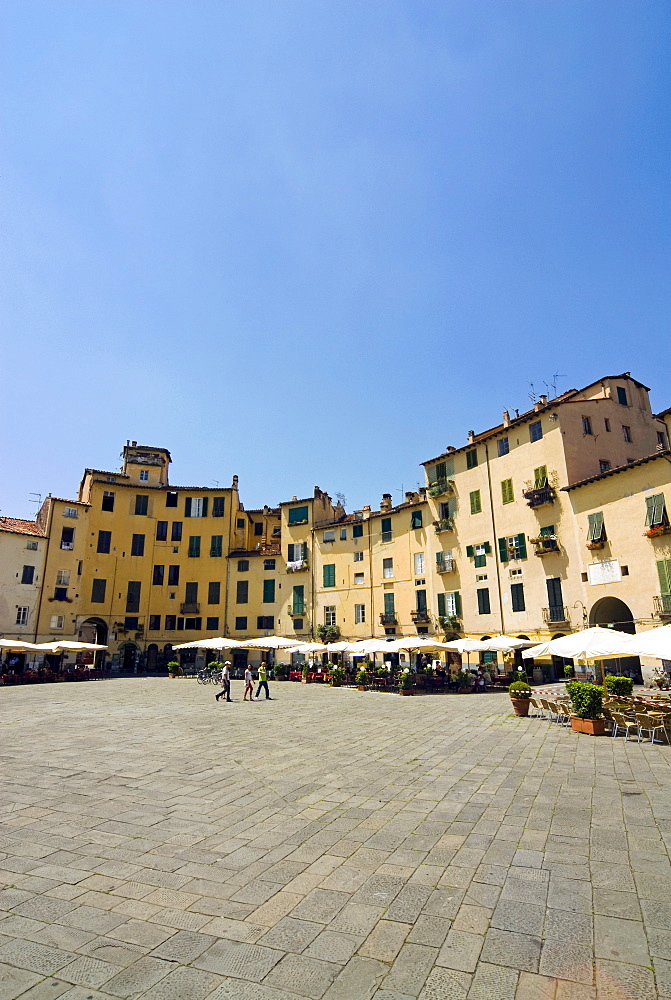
614 613
94 630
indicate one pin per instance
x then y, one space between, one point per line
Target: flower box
655 532
590 727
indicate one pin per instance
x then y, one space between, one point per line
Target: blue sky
315 242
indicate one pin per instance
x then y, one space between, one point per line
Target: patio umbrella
589 644
218 642
17 645
338 647
656 642
65 644
417 642
308 647
505 643
464 645
373 646
268 642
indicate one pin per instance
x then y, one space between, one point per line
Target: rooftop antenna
554 382
216 483
39 498
532 394
342 500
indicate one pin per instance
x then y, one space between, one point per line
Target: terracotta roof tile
661 453
20 527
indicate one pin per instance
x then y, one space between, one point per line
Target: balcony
68 545
662 606
538 497
420 617
388 618
446 564
297 566
443 487
444 524
189 608
556 615
545 544
297 610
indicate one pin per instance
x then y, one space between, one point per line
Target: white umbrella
417 642
590 644
656 642
308 647
465 645
61 645
338 647
373 646
505 643
17 645
218 642
268 642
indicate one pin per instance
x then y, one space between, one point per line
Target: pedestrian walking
249 686
263 680
225 682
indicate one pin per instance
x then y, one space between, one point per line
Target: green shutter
268 591
386 524
521 546
205 502
655 510
547 531
595 527
664 571
297 515
187 507
540 477
469 551
507 493
487 548
441 605
503 550
389 603
440 472
329 575
416 519
457 603
476 502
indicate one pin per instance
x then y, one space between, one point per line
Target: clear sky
316 241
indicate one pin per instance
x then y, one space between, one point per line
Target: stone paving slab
332 845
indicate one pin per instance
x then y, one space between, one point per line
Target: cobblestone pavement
155 844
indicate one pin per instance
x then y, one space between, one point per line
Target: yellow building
22 548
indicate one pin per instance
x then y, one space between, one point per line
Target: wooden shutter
503 550
457 603
416 519
655 510
268 591
547 531
420 599
487 547
441 605
469 551
204 507
476 503
540 477
521 546
290 552
187 507
329 575
664 572
389 603
441 472
507 494
595 527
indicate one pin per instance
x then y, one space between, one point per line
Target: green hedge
587 699
619 685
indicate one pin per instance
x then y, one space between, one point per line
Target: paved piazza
330 844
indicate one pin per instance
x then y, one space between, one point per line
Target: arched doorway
611 612
152 656
129 655
95 630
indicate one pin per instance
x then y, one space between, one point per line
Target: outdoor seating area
632 717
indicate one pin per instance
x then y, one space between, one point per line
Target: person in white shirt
249 685
225 682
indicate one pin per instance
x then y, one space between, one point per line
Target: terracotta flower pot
520 706
405 691
361 687
590 727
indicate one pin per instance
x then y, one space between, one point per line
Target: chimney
410 496
538 405
450 447
385 502
234 484
133 444
471 437
506 419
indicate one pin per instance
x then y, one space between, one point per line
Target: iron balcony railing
297 609
445 564
189 608
420 616
556 615
662 606
388 618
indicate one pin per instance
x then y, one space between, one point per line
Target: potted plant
174 669
305 673
328 633
337 676
405 682
618 686
587 701
361 679
281 671
569 672
465 681
520 694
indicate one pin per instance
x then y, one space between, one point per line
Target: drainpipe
311 569
496 555
44 570
227 559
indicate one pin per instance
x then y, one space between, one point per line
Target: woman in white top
249 686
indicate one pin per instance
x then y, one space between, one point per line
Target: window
258 528
68 538
218 506
329 536
298 600
154 623
330 614
268 591
385 528
144 475
194 546
515 572
171 499
389 604
596 530
329 575
191 593
540 477
240 624
586 425
419 563
476 502
357 531
471 458
453 604
107 502
170 622
137 545
358 557
359 614
358 579
141 504
604 465
479 553
265 622
513 547
268 564
298 515
243 565
161 531
535 431
240 523
216 544
28 574
420 601
297 551
387 568
158 576
626 433
176 534
173 576
193 624
416 519
133 596
70 512
214 592
56 621
195 507
298 624
606 424
242 592
448 509
664 573
483 601
60 594
507 492
655 511
32 545
212 624
503 446
63 578
661 439
22 616
343 531
622 396
517 596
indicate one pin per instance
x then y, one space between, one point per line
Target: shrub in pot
618 686
405 682
281 671
305 673
465 681
520 693
569 673
337 676
362 679
587 702
174 669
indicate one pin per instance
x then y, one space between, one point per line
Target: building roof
18 526
663 413
72 503
661 453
